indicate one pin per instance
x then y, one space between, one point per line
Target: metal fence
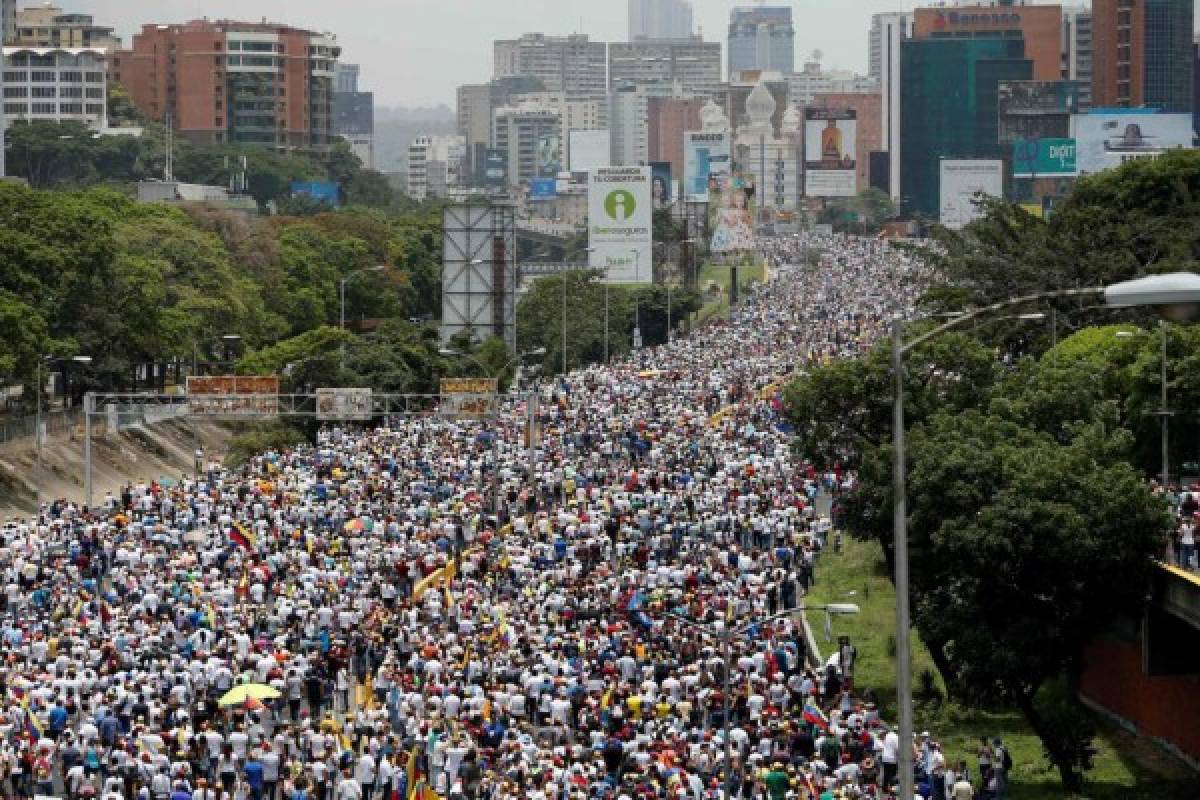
55 422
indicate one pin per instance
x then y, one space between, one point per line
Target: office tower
1141 54
628 120
1077 50
894 29
694 63
667 119
229 81
8 19
572 64
434 165
660 19
346 77
48 26
528 135
1040 27
761 38
354 114
950 96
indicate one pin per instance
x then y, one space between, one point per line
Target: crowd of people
438 609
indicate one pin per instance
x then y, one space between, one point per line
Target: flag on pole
813 715
32 725
243 537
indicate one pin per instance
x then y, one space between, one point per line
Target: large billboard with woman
731 215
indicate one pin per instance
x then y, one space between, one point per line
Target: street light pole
1164 413
37 433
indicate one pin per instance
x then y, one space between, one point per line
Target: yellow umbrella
239 694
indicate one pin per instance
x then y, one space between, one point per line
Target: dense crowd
441 609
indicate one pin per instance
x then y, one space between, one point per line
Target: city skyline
386 38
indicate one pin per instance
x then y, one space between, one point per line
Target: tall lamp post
726 634
227 341
37 419
1177 296
342 317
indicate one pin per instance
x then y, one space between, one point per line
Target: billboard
732 215
549 156
961 182
1043 158
620 225
233 394
588 150
495 167
830 145
660 183
543 189
344 404
321 191
467 398
1110 137
706 162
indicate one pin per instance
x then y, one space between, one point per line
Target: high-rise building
812 80
573 65
761 38
345 77
434 165
628 120
660 19
228 81
1039 26
693 62
894 29
8 20
58 84
529 137
1077 50
950 97
667 119
1141 53
48 26
354 114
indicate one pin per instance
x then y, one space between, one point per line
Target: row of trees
1032 524
68 154
93 272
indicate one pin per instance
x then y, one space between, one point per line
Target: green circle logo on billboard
619 205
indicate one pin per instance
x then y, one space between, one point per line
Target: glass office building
1168 55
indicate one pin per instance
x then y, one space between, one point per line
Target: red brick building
226 81
667 118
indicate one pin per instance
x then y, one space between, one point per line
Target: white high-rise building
660 19
571 64
530 136
434 165
894 27
628 120
1077 50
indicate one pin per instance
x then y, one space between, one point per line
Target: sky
416 52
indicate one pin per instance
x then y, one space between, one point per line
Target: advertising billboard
495 168
549 156
344 404
219 395
543 189
962 181
660 183
588 150
830 145
706 163
732 215
1043 158
1108 138
321 191
620 225
467 398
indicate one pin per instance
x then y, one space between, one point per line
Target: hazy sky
415 52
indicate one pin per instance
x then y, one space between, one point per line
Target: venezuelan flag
33 726
815 716
243 537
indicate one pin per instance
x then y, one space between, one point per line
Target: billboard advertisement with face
830 145
1107 139
660 185
620 224
706 163
549 156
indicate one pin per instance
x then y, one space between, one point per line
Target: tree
1017 539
